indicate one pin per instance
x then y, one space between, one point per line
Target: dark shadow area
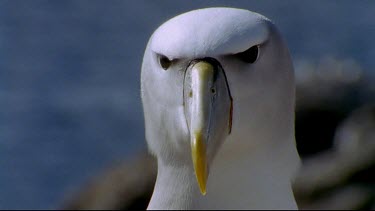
315 129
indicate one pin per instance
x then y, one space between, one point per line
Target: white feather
255 166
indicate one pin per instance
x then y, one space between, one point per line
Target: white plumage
244 112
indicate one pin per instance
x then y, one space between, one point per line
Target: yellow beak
207 100
202 79
198 151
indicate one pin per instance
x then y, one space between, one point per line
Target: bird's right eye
164 62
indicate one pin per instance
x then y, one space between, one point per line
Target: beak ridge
206 98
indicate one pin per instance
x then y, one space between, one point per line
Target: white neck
252 179
175 188
239 179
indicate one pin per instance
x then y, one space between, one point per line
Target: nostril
213 90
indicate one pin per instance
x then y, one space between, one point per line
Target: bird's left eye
164 62
250 55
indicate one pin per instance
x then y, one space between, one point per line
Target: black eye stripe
250 55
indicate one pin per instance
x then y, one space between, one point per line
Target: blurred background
71 121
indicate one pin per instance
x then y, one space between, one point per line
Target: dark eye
164 62
250 55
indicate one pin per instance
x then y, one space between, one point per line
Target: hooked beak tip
198 149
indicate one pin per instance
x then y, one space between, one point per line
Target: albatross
218 95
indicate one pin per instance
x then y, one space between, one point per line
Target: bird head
212 76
